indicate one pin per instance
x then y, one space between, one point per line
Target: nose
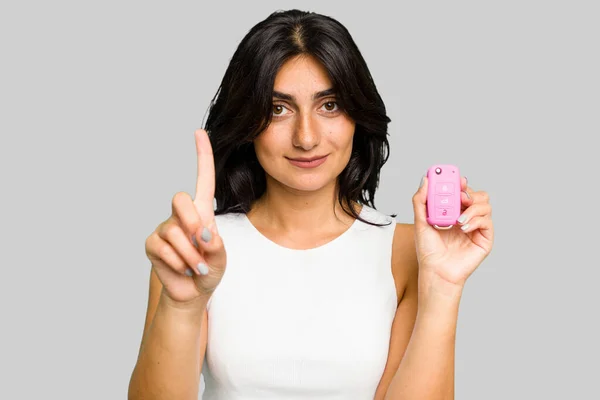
306 133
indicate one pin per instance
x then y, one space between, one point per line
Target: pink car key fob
443 196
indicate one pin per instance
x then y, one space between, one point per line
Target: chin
306 183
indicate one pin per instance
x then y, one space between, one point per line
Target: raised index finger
205 182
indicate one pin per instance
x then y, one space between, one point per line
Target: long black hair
242 107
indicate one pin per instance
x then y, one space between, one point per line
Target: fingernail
465 227
203 269
189 272
462 219
206 235
194 241
422 180
467 193
467 180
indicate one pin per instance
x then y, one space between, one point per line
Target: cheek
341 135
267 144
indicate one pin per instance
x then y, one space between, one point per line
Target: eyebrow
317 95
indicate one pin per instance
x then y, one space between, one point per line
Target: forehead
302 75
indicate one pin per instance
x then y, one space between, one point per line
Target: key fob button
443 201
444 212
444 188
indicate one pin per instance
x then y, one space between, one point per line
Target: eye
331 106
278 110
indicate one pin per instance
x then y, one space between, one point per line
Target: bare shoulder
405 269
404 257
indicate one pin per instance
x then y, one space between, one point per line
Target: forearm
426 371
168 366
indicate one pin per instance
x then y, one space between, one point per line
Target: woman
296 287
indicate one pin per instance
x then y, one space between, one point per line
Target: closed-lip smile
308 162
307 159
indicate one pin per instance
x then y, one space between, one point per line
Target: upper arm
153 298
405 269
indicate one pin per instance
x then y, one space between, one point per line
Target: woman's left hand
453 255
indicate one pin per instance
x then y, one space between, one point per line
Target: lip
306 159
308 162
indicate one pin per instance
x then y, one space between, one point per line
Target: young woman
295 286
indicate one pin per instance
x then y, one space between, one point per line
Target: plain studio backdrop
99 103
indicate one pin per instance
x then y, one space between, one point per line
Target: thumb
211 245
419 201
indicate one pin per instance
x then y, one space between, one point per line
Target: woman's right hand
171 249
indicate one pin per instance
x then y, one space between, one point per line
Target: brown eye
330 106
278 109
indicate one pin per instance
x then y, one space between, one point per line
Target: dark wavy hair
242 107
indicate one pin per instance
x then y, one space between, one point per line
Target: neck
289 210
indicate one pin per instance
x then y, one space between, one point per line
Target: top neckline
322 247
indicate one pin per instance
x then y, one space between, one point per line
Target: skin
299 210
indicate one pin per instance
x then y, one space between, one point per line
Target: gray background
99 102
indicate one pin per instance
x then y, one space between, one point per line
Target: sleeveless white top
301 324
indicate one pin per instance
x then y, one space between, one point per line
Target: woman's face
307 123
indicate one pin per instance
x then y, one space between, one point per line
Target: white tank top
301 324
